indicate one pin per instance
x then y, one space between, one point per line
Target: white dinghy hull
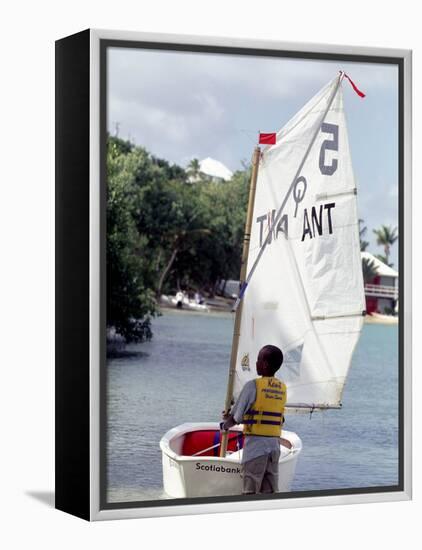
171 301
203 476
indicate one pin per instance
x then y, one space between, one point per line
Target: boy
260 409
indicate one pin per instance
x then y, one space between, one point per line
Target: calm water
181 375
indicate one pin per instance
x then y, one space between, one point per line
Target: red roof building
382 291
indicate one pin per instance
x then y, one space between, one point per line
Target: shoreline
380 319
216 305
224 307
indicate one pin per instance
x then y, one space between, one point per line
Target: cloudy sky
193 105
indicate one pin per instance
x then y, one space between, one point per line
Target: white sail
306 292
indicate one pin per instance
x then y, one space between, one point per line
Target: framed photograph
233 307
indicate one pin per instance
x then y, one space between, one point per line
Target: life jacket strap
266 413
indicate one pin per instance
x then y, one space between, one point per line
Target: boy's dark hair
273 357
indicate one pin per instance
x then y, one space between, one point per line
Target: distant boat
183 302
303 292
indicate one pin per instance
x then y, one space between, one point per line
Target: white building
213 170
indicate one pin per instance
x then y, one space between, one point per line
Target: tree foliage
130 301
386 237
193 170
164 233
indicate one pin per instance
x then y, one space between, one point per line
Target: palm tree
369 269
194 168
386 237
362 230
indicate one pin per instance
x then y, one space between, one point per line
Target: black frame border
243 51
72 292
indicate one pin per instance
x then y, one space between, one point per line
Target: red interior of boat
208 441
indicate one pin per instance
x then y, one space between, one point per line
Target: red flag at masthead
267 139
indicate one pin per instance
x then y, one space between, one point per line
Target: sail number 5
328 145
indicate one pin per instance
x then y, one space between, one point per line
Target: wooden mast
238 314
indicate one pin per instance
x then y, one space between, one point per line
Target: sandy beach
378 318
